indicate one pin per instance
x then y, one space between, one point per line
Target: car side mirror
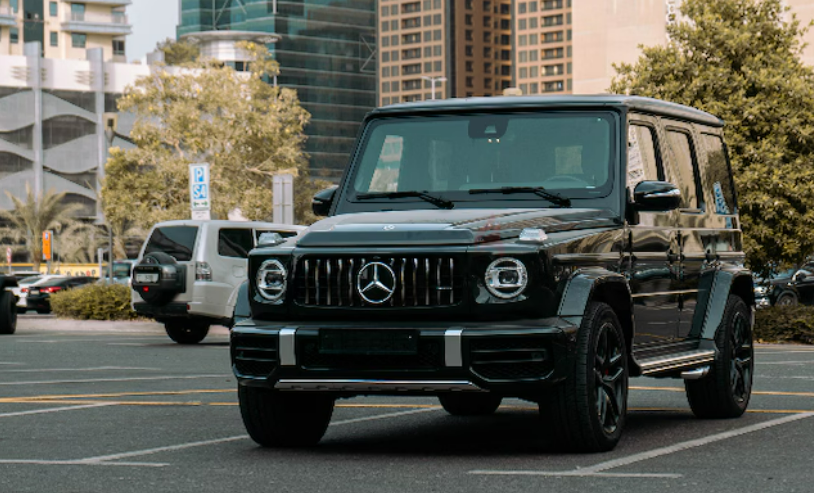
321 205
656 196
800 276
269 239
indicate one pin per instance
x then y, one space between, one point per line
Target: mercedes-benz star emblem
376 282
390 227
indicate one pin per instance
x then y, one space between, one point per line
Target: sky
153 21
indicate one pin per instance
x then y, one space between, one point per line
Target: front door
653 250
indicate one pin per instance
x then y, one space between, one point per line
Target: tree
740 60
36 214
178 52
244 127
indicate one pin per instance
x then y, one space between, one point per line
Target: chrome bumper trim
378 385
682 360
453 354
288 354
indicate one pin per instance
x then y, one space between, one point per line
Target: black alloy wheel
586 413
726 390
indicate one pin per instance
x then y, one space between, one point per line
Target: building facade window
78 10
53 9
14 35
54 38
118 47
79 40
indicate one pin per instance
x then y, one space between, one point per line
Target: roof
234 224
649 105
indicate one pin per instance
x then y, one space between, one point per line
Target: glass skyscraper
326 52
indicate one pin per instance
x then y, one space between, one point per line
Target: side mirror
800 276
321 205
656 196
269 239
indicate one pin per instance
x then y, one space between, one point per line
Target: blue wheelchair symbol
200 192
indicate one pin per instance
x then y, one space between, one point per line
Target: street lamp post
433 80
111 121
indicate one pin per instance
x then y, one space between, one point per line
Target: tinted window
643 163
178 241
235 242
570 153
686 167
718 174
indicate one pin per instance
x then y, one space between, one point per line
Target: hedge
94 302
785 324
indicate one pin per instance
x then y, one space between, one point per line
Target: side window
719 175
643 160
686 167
235 242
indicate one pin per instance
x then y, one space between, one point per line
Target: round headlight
506 278
271 280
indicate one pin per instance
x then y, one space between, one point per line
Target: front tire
786 299
470 404
8 313
280 419
586 413
725 391
186 331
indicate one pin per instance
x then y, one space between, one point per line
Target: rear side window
178 241
718 174
235 242
686 165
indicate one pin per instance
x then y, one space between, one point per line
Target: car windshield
566 153
29 280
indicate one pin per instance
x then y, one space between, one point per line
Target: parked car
776 290
188 273
803 283
39 296
23 285
542 248
8 313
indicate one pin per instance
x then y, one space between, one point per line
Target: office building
542 34
326 51
65 29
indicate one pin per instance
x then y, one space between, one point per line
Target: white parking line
132 379
62 370
599 469
54 410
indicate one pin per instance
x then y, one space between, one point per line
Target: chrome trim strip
288 355
316 280
328 272
665 293
695 373
308 384
689 358
307 287
453 352
427 281
403 283
590 257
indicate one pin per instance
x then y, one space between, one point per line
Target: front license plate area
147 278
362 342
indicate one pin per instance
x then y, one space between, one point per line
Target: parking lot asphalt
117 407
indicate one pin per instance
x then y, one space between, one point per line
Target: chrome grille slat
330 281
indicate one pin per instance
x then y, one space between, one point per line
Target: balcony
112 3
115 24
7 17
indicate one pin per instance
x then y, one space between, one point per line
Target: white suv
188 273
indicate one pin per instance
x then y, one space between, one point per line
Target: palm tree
36 214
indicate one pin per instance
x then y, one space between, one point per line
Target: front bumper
515 358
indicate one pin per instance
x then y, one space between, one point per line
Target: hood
447 227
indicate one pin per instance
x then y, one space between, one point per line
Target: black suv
543 248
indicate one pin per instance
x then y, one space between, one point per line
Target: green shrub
789 324
94 302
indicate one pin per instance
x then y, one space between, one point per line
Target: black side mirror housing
321 204
656 196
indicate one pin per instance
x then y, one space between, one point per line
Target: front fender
240 301
586 285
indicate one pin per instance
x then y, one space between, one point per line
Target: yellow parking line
119 394
754 392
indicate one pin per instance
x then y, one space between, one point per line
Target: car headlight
506 278
272 280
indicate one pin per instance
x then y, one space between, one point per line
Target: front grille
429 356
417 281
510 358
254 356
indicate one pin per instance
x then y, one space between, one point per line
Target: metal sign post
8 258
199 191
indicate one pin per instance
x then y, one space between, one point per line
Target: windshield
568 153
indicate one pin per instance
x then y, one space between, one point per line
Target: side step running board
688 360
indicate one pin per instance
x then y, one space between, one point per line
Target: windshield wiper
432 199
539 191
